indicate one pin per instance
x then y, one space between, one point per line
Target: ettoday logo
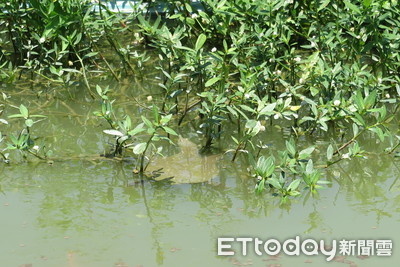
309 247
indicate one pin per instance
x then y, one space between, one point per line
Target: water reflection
110 215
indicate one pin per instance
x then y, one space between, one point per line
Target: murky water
84 211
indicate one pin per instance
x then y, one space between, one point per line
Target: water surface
86 211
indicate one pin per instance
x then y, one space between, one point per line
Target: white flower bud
346 156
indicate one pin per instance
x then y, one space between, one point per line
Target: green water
82 211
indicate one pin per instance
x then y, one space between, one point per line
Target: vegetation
317 68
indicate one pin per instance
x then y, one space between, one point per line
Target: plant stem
394 148
142 169
83 71
185 111
36 155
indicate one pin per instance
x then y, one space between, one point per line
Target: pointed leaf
309 167
24 111
293 185
212 81
305 153
139 148
200 42
329 152
113 132
169 130
147 122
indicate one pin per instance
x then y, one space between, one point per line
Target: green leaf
290 147
352 7
147 122
37 116
270 164
253 127
188 7
113 132
355 129
235 140
247 108
265 167
398 89
358 119
329 152
99 90
212 81
367 3
294 185
13 139
169 130
24 111
336 69
306 153
370 101
127 123
379 132
200 42
275 183
139 128
156 115
232 111
54 70
91 54
323 5
16 116
310 167
268 109
359 101
78 38
260 187
29 122
165 119
139 148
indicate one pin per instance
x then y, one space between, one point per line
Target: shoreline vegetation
234 69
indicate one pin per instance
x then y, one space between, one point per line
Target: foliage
315 68
23 141
126 136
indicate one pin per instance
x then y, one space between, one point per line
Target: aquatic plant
23 141
230 70
125 135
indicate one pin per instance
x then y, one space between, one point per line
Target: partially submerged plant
314 70
126 136
152 128
23 141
